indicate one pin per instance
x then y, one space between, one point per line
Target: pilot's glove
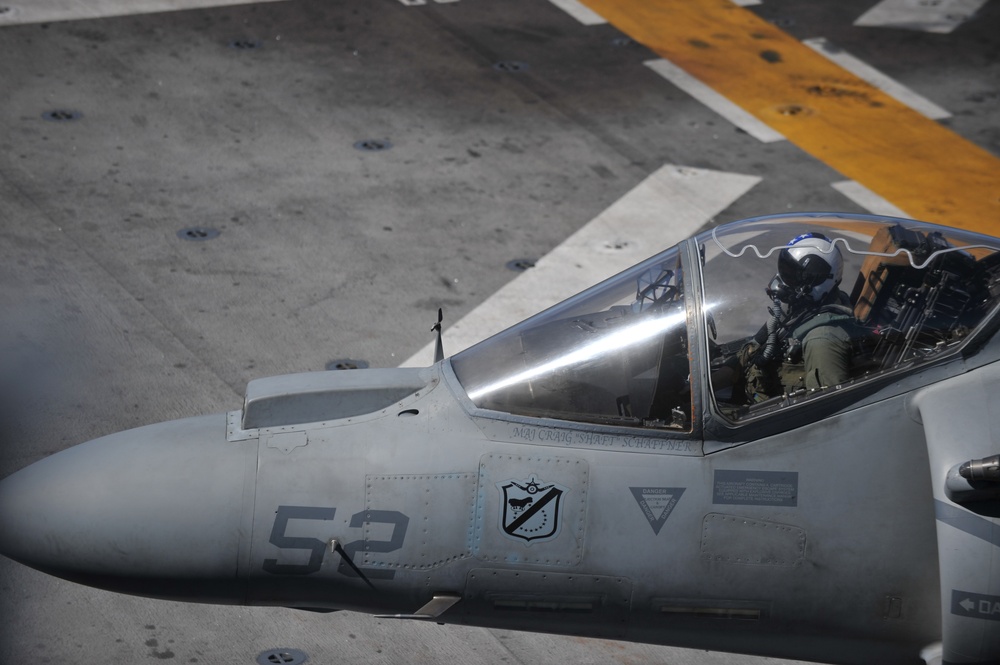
793 351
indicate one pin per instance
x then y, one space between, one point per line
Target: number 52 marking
317 548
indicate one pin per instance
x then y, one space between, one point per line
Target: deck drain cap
511 66
282 657
197 233
520 265
372 145
347 363
62 115
246 44
782 21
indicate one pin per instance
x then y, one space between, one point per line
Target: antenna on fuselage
439 345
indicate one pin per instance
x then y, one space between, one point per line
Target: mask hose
771 345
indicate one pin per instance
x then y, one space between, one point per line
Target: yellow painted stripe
913 162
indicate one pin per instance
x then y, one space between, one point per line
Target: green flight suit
826 340
827 345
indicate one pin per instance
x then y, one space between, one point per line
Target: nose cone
162 511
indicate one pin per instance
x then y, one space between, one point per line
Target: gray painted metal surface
113 322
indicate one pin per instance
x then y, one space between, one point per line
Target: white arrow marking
868 199
579 11
940 16
713 100
44 11
886 84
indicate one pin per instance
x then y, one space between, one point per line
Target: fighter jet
778 437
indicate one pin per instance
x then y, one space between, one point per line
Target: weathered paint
868 136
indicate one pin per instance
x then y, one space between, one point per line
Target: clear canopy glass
908 293
615 354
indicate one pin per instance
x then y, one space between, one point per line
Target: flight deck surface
196 198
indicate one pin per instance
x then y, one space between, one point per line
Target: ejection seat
909 309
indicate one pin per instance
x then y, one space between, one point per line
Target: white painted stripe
746 3
940 16
868 199
714 101
580 12
46 11
665 208
884 83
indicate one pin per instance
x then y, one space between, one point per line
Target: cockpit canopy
620 352
615 354
912 293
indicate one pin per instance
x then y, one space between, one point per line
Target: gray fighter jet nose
161 511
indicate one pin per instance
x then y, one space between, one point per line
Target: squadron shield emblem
530 509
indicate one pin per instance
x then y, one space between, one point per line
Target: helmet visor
812 270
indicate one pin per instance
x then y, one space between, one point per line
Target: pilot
809 339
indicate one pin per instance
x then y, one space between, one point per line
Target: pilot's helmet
809 267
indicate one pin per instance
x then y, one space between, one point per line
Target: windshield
615 354
800 305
